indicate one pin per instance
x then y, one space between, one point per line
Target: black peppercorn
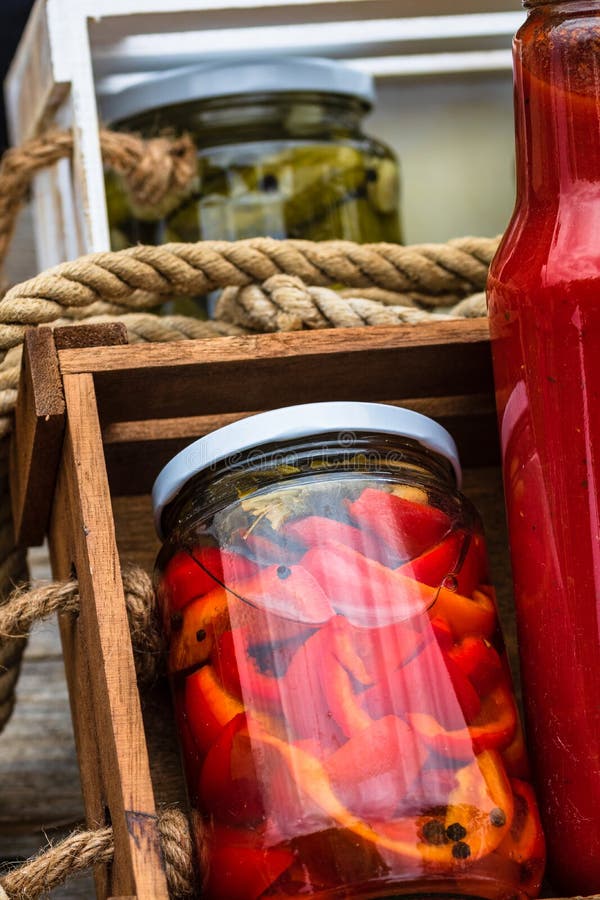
283 571
200 635
456 831
434 832
460 850
498 817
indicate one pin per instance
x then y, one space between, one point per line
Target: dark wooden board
40 422
38 434
136 451
253 372
105 700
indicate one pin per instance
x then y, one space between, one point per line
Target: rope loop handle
82 850
152 170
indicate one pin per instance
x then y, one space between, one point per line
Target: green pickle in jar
344 704
281 153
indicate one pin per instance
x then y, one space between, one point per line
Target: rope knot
156 173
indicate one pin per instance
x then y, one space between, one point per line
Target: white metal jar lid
237 77
292 422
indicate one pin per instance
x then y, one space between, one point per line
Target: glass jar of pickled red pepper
281 153
344 704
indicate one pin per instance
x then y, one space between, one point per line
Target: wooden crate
95 424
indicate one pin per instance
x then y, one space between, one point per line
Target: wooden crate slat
211 377
77 671
137 869
136 451
40 422
39 428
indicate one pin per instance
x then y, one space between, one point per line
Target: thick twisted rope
285 303
82 850
24 607
118 286
151 170
459 267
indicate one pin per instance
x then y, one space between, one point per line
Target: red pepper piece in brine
459 562
312 531
366 592
492 729
480 661
374 771
229 789
208 706
241 869
407 527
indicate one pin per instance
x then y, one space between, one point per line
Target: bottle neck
286 116
557 102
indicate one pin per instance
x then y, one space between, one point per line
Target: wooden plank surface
136 451
210 377
137 867
37 439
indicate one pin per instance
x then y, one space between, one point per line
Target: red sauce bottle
544 304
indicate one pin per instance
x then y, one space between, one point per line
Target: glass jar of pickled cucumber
345 709
281 153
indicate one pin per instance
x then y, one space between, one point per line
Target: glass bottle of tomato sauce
544 305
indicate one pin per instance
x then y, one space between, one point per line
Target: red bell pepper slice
192 574
496 724
407 527
240 869
209 708
442 633
374 770
493 729
367 593
202 622
342 702
481 787
339 661
466 615
430 683
369 654
524 843
229 788
459 562
239 673
252 672
257 603
479 660
312 531
306 713
264 551
432 566
288 591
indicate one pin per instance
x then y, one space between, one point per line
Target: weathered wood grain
104 633
212 377
37 439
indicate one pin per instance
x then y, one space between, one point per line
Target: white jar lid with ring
290 422
237 78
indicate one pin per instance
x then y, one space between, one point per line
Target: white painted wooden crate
74 49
